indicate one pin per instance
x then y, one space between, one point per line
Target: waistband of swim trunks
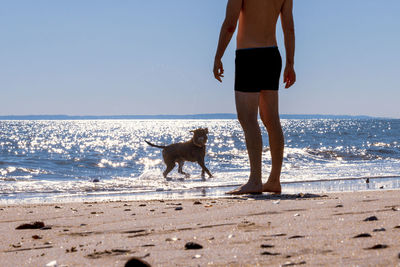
261 47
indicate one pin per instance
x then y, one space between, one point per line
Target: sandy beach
336 229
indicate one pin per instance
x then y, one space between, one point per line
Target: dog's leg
187 175
204 168
203 177
170 166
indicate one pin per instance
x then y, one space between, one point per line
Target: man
257 70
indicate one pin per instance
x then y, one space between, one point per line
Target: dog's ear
206 129
191 131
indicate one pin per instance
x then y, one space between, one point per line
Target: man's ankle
255 181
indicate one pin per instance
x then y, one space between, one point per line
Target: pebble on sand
372 218
362 235
378 246
51 264
34 225
137 263
270 253
73 249
266 246
192 245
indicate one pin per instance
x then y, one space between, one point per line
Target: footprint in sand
293 263
278 234
296 236
99 254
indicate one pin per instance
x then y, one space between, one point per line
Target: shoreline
274 230
309 186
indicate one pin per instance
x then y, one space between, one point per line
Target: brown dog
193 150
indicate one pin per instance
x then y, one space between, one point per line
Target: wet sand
336 229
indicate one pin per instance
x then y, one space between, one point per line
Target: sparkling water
62 158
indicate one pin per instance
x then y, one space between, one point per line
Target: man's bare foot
248 188
272 187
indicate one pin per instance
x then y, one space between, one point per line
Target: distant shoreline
212 116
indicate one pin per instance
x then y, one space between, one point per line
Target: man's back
257 74
257 23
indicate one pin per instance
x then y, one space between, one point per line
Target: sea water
64 160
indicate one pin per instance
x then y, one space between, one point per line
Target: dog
193 150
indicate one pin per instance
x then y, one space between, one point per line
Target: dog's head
200 136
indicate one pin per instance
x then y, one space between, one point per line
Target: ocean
77 160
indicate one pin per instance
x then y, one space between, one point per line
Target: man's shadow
279 196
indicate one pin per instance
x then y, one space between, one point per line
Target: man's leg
269 112
247 111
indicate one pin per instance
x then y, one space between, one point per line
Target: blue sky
98 57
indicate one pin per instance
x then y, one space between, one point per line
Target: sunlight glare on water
67 156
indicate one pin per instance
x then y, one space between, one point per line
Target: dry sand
286 230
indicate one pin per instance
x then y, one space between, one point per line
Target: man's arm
228 28
289 75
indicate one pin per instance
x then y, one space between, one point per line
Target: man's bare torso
257 23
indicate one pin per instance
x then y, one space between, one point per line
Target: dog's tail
154 145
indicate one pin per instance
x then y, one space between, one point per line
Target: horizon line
176 116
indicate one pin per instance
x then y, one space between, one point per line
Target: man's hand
218 69
289 76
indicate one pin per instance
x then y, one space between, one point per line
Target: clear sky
127 57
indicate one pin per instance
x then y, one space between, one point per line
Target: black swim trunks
257 69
